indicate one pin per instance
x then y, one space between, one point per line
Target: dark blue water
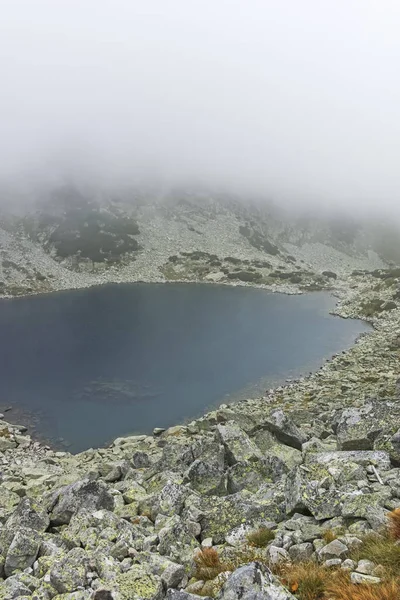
91 365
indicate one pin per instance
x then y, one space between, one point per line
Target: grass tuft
208 564
341 588
382 551
260 538
394 523
307 581
329 536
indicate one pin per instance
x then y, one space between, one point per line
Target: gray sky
297 98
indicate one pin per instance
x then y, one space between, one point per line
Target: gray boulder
312 490
335 549
85 494
207 477
253 582
301 552
378 458
139 583
357 429
70 572
13 588
248 476
23 550
181 595
173 575
285 430
221 515
29 514
238 446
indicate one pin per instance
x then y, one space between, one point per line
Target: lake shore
213 481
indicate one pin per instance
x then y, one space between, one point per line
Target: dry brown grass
307 581
260 538
382 550
329 535
208 564
341 588
394 523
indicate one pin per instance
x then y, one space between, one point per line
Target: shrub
245 276
329 274
260 537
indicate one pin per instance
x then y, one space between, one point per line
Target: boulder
285 429
248 476
182 595
312 490
207 477
221 515
29 514
173 575
139 583
334 549
277 556
366 506
13 588
253 581
70 572
366 567
238 446
360 578
378 458
85 494
301 552
8 502
23 550
356 430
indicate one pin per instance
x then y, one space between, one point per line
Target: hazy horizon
295 101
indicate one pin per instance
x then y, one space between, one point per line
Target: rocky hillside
74 238
294 495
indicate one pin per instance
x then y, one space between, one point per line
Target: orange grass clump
307 581
208 564
341 590
394 523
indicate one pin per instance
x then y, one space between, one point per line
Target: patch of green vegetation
329 274
376 306
260 538
10 264
199 255
261 264
393 273
258 240
78 226
247 276
233 260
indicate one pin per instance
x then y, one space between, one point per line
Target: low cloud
299 101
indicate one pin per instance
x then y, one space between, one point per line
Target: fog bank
297 100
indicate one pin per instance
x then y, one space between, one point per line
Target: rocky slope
302 474
74 239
